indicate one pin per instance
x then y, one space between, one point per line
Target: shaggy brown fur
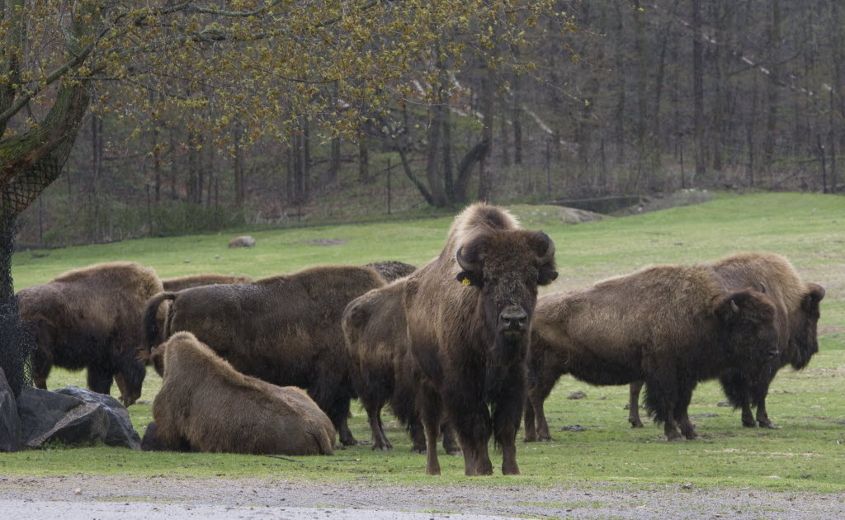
671 326
376 334
197 280
392 270
797 317
284 329
91 318
211 407
469 313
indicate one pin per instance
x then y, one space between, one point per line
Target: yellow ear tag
465 282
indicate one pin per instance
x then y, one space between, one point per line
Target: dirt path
72 498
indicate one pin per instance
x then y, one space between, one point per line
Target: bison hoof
691 436
530 438
674 436
749 424
636 423
769 424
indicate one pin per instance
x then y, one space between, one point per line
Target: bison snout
513 318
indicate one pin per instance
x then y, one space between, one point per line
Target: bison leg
634 404
682 413
473 425
450 442
431 415
99 379
530 428
380 441
760 391
42 363
417 433
660 397
505 425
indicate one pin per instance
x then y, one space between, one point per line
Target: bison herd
460 349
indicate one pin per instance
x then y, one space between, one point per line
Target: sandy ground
72 498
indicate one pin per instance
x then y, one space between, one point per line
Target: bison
283 329
197 280
469 314
376 334
208 406
91 318
797 317
670 326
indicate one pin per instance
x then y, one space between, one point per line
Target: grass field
806 453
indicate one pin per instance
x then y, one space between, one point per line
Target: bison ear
468 278
815 294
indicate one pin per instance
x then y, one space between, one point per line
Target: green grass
807 453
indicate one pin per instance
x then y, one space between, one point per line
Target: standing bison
469 314
381 369
670 326
91 318
284 329
206 405
796 320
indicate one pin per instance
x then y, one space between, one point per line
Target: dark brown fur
469 341
91 318
196 280
797 317
207 405
671 326
283 329
376 334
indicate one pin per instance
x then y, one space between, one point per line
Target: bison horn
465 263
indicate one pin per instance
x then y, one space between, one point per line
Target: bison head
803 327
747 320
130 377
506 267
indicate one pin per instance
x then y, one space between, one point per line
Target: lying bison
469 314
796 319
196 280
670 326
284 329
376 334
91 318
206 405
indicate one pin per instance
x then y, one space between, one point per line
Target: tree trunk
772 90
363 159
698 89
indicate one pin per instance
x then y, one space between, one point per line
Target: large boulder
120 431
74 416
10 423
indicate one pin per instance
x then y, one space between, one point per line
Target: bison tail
153 333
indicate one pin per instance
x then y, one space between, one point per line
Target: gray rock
73 420
10 422
576 395
242 241
120 432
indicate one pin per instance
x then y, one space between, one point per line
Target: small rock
573 428
723 404
242 241
686 485
77 491
577 395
